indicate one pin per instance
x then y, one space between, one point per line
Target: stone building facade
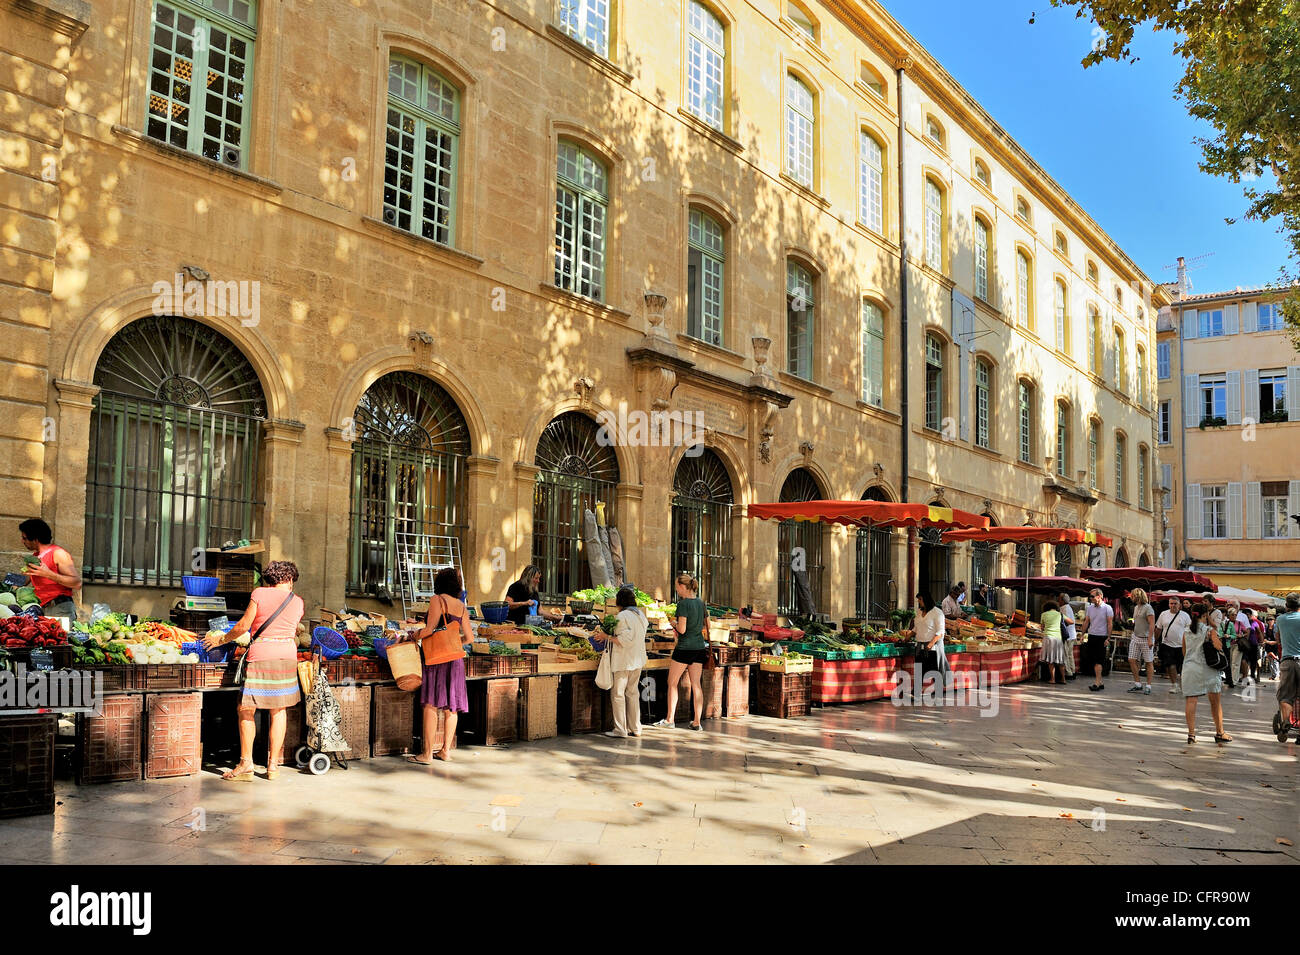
383 270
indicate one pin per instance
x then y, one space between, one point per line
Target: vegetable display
31 633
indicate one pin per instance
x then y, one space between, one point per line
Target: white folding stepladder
419 558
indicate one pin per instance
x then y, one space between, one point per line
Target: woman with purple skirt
443 693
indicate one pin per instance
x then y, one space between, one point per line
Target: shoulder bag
1214 658
443 644
239 670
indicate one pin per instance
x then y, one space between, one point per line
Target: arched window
588 22
983 403
1140 376
1092 272
934 225
1024 291
934 131
803 21
871 79
873 354
706 59
1062 318
1063 563
982 174
800 546
1121 467
800 293
212 39
1062 244
877 596
408 476
1120 371
934 391
705 273
871 182
1025 405
1142 476
175 451
800 130
420 156
578 471
984 560
1094 450
581 211
1022 209
1121 557
981 259
1062 439
701 516
1144 560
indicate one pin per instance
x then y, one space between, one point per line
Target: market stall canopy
868 514
1153 578
1028 535
1219 599
1284 591
1250 598
1047 585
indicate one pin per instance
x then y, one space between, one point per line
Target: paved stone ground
872 783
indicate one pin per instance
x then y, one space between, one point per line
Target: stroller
325 740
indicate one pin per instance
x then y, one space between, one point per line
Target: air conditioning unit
230 155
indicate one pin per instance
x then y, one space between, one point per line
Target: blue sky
1113 135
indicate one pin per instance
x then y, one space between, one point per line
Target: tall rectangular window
871 180
1094 342
1273 509
1093 439
1025 396
587 21
1214 510
983 381
873 354
800 127
1140 376
981 260
421 142
799 289
1162 361
933 225
1024 289
1211 321
1272 395
1062 440
1214 396
1269 318
706 53
581 207
933 383
1119 370
1061 334
1121 467
1165 423
211 41
1142 477
704 278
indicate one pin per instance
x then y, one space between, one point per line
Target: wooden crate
713 685
394 725
170 676
173 734
355 702
784 695
737 695
494 711
27 765
235 580
585 704
109 745
538 701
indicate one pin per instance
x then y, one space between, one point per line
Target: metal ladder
419 558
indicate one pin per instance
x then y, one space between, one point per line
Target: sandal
412 758
239 777
1222 738
272 772
1191 738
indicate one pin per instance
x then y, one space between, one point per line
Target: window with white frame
1094 341
1094 437
1062 439
800 125
1119 371
1214 396
1142 477
983 390
587 21
799 291
1165 424
981 259
871 79
1162 361
933 225
1024 291
1211 322
704 278
1272 395
934 131
1022 209
933 383
422 139
1121 467
1062 328
1214 511
871 182
706 55
1274 520
581 210
803 21
1062 245
1025 400
1092 272
982 174
1269 318
873 354
201 64
1140 375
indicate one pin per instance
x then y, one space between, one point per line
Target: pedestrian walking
1287 628
1270 651
1199 677
1141 645
1053 646
1170 626
1245 653
626 658
1069 633
1101 622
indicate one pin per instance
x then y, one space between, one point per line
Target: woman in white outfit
930 628
626 658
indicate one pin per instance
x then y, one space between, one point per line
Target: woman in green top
692 649
1053 655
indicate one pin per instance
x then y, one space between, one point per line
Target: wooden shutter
1250 317
1191 401
1254 522
1230 325
1190 327
1250 407
1293 506
1293 394
1234 510
1234 397
1192 511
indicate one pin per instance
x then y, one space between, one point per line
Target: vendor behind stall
523 599
53 572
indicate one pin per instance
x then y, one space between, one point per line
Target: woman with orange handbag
443 693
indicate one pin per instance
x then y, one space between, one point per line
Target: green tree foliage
1242 76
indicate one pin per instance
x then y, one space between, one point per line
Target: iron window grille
702 525
808 535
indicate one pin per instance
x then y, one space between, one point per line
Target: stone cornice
69 17
76 394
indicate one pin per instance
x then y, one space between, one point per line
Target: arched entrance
934 573
1063 560
875 598
983 561
701 520
408 475
1144 560
577 472
1121 557
800 544
175 451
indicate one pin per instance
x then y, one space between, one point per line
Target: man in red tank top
53 572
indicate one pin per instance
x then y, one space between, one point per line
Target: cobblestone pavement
1058 775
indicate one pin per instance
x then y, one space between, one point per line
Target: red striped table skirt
855 681
1011 666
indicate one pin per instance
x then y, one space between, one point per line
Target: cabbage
7 599
26 595
154 658
190 658
5 611
171 658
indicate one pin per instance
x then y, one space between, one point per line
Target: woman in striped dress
271 669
